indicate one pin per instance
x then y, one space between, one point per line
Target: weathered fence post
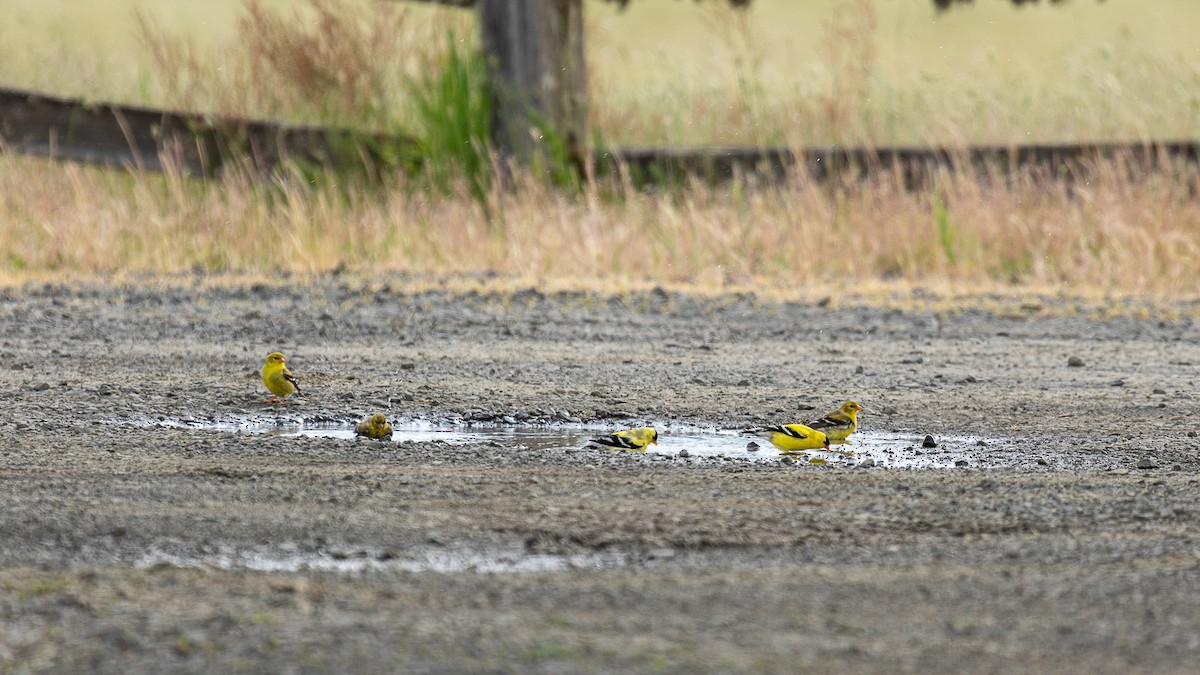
535 59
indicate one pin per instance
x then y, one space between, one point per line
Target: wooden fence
156 140
535 58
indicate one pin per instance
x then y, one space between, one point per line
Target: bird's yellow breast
273 378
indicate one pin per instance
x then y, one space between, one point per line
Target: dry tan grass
886 73
1111 236
326 61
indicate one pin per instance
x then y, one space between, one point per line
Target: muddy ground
127 546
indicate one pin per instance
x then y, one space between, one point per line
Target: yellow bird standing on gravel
792 437
838 424
278 378
631 440
375 427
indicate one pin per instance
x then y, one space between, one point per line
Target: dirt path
136 548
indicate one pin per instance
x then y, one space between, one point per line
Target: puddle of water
891 450
444 562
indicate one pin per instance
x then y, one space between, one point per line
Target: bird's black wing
615 441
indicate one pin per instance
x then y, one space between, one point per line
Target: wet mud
158 516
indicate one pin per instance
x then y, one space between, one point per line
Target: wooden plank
150 139
915 165
153 140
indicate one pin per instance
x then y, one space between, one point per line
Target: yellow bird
792 437
278 378
838 424
375 427
631 440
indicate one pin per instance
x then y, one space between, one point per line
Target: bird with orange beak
838 424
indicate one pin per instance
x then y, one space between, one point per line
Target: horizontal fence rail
158 140
916 166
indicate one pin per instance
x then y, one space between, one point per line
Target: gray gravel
137 548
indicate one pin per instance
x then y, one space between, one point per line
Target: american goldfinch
632 440
278 379
792 437
838 424
375 427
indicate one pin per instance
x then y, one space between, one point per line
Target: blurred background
661 73
666 71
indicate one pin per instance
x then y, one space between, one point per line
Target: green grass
454 120
44 586
550 651
947 232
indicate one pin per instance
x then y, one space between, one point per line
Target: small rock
1177 467
866 463
1159 391
40 386
752 446
1075 362
969 379
786 460
986 484
1147 463
1117 383
1042 461
858 370
684 453
961 462
929 442
743 383
408 366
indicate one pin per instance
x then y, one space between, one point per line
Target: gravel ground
127 545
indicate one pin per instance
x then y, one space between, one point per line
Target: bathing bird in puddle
278 378
375 427
631 440
792 437
838 424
